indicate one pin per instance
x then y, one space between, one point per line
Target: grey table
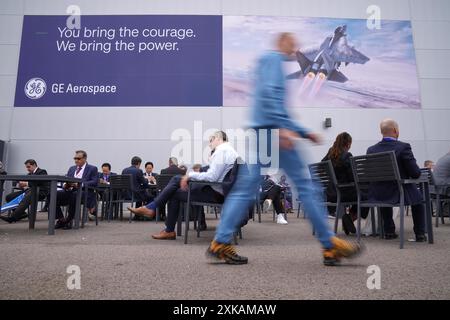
53 181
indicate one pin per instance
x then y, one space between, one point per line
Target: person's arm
216 169
273 92
141 179
92 178
409 162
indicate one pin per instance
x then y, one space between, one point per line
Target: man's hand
23 184
286 138
184 182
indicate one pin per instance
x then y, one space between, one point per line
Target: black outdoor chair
121 191
381 167
438 193
323 174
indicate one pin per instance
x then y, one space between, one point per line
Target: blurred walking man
269 112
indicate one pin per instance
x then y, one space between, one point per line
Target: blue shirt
268 109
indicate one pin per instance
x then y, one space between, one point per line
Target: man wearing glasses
19 213
67 197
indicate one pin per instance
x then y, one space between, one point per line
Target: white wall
39 133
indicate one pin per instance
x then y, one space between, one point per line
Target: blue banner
134 60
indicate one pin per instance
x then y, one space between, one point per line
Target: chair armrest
204 183
414 181
343 185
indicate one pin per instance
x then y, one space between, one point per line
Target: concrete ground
119 260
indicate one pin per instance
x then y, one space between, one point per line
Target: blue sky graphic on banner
139 60
341 63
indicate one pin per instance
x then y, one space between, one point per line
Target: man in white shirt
221 162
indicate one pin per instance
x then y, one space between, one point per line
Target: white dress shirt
79 175
220 163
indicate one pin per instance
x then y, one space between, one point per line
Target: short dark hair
147 163
82 152
106 164
136 160
31 162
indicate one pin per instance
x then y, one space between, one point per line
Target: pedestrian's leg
237 203
309 195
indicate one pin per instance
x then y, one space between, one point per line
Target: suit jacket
442 170
407 165
173 169
89 178
43 186
139 182
100 175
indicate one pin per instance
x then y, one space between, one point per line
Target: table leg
2 183
32 213
77 209
52 208
428 213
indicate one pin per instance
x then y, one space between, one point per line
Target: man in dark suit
19 212
388 191
173 167
106 173
139 182
89 176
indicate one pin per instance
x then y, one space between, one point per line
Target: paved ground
119 260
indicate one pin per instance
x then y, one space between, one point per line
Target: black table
53 180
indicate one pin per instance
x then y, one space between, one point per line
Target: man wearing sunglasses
67 197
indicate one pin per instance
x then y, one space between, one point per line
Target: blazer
173 169
139 182
89 178
100 175
43 186
407 165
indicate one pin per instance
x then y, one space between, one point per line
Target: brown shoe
163 235
143 211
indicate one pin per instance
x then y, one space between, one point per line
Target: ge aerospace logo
35 88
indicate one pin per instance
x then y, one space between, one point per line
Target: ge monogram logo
35 88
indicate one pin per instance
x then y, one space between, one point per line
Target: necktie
78 170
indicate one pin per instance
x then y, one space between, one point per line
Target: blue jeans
242 196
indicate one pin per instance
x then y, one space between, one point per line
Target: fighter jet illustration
325 61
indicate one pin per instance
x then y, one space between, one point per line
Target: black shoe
60 224
347 224
202 227
67 226
421 238
390 236
8 219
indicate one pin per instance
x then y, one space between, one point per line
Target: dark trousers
275 195
19 211
173 195
66 198
418 215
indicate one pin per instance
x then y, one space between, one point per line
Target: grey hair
173 160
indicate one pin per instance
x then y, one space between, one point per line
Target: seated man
68 196
139 182
272 191
103 177
149 174
173 167
19 212
442 173
220 164
388 191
